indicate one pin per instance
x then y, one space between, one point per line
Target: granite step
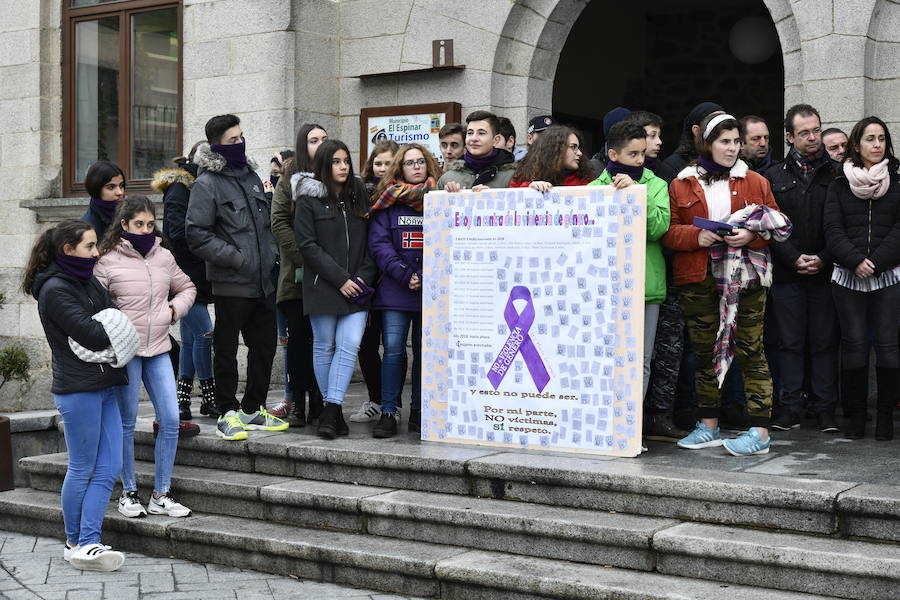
392 565
576 535
599 483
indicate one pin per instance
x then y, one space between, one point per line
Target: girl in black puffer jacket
862 230
59 276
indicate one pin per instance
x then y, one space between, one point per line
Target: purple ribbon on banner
519 342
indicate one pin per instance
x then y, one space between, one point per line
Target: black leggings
858 312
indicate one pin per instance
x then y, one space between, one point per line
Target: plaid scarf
736 269
404 193
808 164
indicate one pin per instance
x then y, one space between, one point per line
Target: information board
533 312
418 123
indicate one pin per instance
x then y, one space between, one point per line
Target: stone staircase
477 523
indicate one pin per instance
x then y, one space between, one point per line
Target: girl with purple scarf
105 182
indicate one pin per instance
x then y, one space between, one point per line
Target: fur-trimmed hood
164 178
213 161
304 184
739 170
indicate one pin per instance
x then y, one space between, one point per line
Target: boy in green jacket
627 147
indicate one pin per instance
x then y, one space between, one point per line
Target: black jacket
804 204
333 243
678 160
95 217
175 186
856 229
66 306
228 226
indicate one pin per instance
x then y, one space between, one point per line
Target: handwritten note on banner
533 317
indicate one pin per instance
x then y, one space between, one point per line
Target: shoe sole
379 435
105 562
783 428
242 435
701 445
264 428
830 430
139 515
733 453
160 511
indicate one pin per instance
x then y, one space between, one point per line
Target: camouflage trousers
700 307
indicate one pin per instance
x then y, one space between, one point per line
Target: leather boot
297 418
855 380
315 404
888 380
183 389
329 421
208 402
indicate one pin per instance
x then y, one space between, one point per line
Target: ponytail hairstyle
180 161
49 245
394 173
301 162
353 194
703 143
381 147
126 211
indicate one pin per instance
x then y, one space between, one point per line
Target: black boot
342 427
855 385
297 417
208 402
415 420
329 420
315 404
183 389
888 381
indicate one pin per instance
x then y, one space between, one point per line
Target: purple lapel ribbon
519 342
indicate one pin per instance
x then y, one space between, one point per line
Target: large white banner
533 311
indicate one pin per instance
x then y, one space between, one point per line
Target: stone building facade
279 63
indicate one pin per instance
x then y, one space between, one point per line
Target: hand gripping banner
519 342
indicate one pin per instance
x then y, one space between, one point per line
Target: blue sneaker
701 437
747 444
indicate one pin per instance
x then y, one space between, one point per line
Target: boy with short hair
452 137
483 165
627 148
652 124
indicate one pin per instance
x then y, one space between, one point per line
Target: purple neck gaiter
107 207
480 163
711 166
142 242
650 162
78 267
273 179
235 155
615 167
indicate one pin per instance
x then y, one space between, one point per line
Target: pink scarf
868 183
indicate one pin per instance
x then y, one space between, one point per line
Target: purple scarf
142 242
107 207
711 166
78 267
479 164
614 167
235 155
273 179
650 162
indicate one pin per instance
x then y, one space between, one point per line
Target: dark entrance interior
665 57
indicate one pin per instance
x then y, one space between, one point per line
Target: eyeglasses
806 133
421 162
574 147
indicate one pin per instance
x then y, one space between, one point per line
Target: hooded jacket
496 176
141 287
65 306
657 226
332 242
688 200
283 208
175 186
228 226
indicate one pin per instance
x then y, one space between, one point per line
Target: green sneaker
229 427
262 421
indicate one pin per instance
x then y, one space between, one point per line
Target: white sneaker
166 505
70 550
130 505
97 557
368 411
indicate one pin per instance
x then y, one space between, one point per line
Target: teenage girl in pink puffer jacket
146 284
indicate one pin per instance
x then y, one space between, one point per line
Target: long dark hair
855 139
546 157
353 193
394 171
48 246
126 210
301 162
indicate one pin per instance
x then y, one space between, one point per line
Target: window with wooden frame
122 87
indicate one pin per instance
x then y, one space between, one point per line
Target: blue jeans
196 344
335 346
159 380
395 330
93 430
